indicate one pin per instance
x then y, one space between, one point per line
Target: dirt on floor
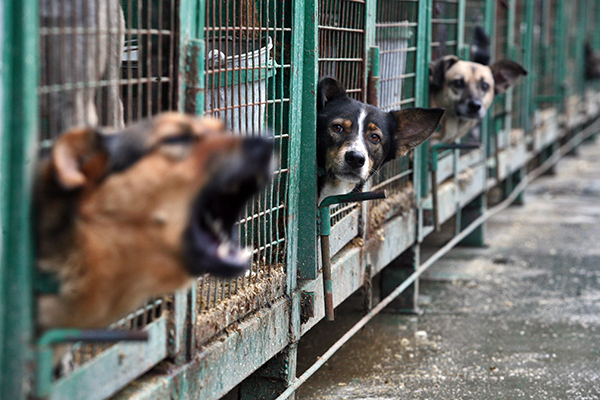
517 319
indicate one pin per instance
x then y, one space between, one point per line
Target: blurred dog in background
81 44
466 90
128 216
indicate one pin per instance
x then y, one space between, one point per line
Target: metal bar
560 37
434 200
19 119
423 57
325 231
436 256
306 166
463 49
527 106
327 283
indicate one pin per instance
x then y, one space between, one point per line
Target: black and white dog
355 139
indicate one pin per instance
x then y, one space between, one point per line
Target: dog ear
328 89
79 157
414 126
506 73
480 50
437 72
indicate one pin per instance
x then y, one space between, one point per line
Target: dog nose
258 149
474 106
355 159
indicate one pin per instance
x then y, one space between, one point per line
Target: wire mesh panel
474 16
444 32
396 36
342 55
342 44
106 63
247 85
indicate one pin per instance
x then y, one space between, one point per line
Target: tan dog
126 217
466 90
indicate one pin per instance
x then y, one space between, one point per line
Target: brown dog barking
129 216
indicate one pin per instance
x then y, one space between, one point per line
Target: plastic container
236 86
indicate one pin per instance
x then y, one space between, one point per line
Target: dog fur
480 49
355 139
466 90
129 216
592 63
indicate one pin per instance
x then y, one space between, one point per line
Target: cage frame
268 336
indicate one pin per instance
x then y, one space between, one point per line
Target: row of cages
114 62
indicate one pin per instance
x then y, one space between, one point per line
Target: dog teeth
228 250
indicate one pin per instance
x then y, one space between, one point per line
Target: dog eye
337 128
458 83
374 138
485 86
179 139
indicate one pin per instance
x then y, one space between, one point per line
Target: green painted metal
469 214
273 331
423 59
463 48
396 273
325 231
489 21
192 49
17 161
87 383
560 35
579 47
527 106
307 165
373 86
511 54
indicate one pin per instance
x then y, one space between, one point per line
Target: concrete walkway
519 319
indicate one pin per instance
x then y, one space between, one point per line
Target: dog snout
258 149
474 106
355 159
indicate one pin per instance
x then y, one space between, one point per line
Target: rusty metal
325 231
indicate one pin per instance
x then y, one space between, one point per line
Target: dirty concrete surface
518 319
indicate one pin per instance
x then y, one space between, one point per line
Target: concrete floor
519 319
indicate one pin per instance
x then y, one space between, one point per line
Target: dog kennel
255 65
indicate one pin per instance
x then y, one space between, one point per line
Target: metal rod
325 231
327 281
434 199
437 255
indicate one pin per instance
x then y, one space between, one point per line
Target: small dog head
354 139
466 89
127 216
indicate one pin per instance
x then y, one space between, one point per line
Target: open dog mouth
211 238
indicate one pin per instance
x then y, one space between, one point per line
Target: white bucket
238 92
